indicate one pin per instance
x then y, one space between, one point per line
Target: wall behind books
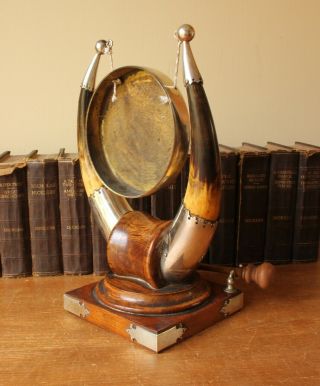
260 61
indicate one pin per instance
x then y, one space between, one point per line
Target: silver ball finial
185 33
102 46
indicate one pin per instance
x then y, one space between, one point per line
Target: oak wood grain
274 340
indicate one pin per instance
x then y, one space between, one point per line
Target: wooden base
156 332
134 297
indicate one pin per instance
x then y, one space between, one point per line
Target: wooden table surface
274 340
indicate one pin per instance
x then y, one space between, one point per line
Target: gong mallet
262 274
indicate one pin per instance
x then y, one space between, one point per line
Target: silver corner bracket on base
75 306
232 305
156 341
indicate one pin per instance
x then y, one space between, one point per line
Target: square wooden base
153 331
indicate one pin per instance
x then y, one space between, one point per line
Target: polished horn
168 251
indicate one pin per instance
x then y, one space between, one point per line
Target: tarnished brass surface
137 131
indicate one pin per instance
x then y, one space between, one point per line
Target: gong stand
155 292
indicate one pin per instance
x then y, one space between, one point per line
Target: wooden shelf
274 340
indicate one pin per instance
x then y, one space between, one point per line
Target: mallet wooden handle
262 274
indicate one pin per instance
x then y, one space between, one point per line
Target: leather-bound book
14 219
44 215
166 202
75 218
307 216
99 249
281 203
252 203
222 248
160 204
143 204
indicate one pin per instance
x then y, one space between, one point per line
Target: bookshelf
274 340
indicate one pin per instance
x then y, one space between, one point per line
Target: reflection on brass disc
137 132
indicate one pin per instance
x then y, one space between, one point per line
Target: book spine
307 216
44 217
143 204
75 220
99 249
252 207
14 225
165 203
281 207
158 204
222 248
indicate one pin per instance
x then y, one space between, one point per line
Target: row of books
270 210
46 227
270 204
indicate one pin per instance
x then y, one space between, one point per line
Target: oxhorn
107 206
191 231
141 247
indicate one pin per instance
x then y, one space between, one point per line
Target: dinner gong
134 133
137 131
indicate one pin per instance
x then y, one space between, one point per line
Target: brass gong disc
137 131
